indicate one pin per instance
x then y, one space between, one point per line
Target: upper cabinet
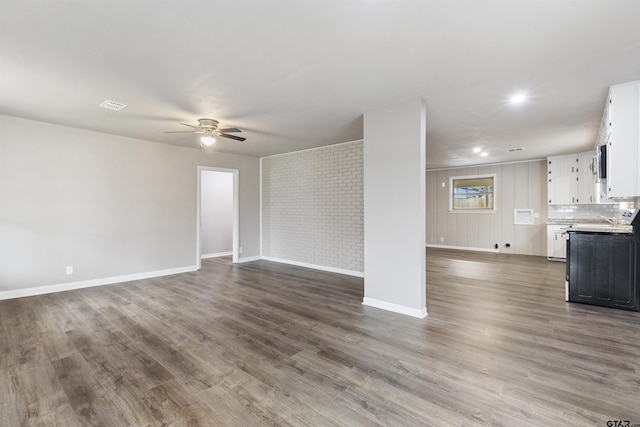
586 191
571 179
623 140
561 187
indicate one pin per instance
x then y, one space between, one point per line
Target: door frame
236 214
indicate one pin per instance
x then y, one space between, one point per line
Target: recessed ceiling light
112 105
518 98
484 154
477 150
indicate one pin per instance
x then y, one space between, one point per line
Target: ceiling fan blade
237 138
191 126
185 131
229 130
181 131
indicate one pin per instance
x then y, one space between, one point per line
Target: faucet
613 221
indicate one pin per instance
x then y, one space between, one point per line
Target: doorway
217 214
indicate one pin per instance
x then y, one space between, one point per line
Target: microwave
601 154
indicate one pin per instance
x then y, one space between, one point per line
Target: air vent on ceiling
516 149
112 105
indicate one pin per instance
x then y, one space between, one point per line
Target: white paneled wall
312 207
518 186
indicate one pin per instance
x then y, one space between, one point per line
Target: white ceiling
299 74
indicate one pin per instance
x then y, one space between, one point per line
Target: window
472 193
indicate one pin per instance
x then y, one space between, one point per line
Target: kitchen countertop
592 226
563 221
602 228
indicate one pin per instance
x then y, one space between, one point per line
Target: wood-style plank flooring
269 344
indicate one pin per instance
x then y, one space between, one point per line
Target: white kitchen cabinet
623 144
571 179
556 243
586 178
561 175
605 126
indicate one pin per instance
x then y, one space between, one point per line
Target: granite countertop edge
569 221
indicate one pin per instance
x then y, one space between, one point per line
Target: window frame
492 176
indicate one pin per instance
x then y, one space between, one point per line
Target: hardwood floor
268 344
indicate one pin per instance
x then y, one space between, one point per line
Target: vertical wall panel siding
518 185
431 211
522 233
312 206
442 200
508 195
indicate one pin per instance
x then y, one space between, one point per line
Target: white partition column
394 208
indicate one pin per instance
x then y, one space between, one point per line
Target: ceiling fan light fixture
208 140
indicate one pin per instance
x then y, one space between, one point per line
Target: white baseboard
396 308
40 290
216 254
464 248
315 266
249 259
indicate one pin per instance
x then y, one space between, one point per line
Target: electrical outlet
240 249
441 239
70 270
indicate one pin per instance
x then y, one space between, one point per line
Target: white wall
394 203
312 207
518 185
216 231
107 205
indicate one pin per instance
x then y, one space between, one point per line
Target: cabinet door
550 242
622 155
581 263
585 179
561 188
623 275
556 244
605 127
559 245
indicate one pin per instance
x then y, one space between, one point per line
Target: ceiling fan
208 128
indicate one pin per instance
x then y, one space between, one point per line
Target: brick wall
312 206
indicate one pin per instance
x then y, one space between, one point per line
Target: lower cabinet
556 244
602 268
